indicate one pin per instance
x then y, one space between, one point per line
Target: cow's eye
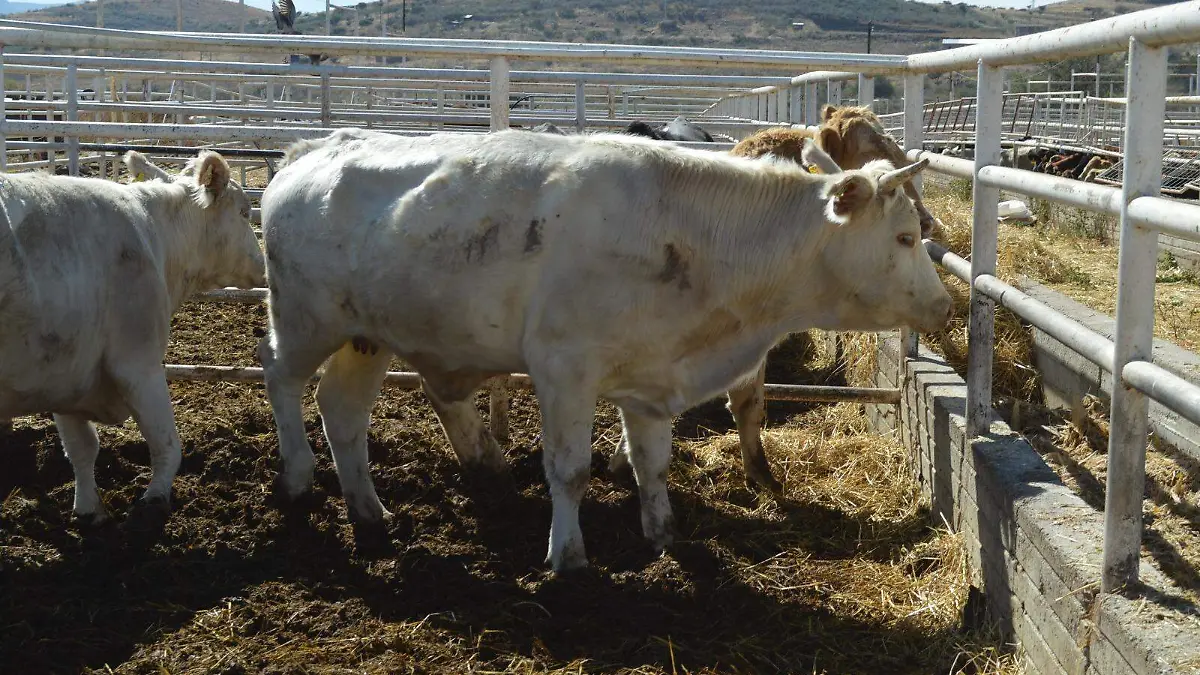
907 240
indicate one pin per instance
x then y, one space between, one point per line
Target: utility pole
403 16
870 28
99 13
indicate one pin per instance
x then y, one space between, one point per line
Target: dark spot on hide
478 245
129 257
364 346
53 346
533 237
348 307
675 268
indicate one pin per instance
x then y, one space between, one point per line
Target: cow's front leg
647 442
747 403
81 445
568 411
348 389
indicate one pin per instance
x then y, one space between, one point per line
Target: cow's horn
894 179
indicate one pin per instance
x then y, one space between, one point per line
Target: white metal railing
1145 34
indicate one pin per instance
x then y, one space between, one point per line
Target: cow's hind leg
568 403
747 403
452 397
81 445
144 389
648 445
348 389
288 364
498 407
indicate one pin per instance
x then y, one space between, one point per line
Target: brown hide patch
533 236
784 143
675 268
718 325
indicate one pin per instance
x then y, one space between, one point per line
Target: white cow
605 266
90 273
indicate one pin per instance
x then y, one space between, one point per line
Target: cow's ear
831 143
212 176
851 192
827 111
142 168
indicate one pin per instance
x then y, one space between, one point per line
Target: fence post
326 104
812 111
1134 339
914 131
498 102
72 115
796 111
3 115
983 250
866 91
580 106
781 104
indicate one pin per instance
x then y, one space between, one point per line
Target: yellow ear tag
139 177
813 169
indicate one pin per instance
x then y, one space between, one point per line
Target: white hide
90 273
605 266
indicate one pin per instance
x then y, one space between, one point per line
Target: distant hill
15 7
198 15
899 26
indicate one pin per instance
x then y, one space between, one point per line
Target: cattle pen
1067 583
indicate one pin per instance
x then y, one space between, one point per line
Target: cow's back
451 240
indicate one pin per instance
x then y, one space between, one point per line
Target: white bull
90 273
604 266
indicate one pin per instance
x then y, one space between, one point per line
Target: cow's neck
178 228
762 241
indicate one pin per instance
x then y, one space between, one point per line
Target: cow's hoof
372 539
148 517
764 482
661 535
758 473
90 521
570 559
306 501
489 479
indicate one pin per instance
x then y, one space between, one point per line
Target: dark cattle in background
678 129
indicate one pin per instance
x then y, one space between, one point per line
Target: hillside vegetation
829 25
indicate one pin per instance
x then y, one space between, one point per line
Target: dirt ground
845 574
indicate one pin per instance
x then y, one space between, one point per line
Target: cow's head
854 137
881 274
228 254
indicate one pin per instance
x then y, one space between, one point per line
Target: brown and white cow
90 273
604 266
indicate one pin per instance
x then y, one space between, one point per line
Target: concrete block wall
1034 545
1067 377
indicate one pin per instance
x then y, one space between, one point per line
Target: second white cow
90 273
604 266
